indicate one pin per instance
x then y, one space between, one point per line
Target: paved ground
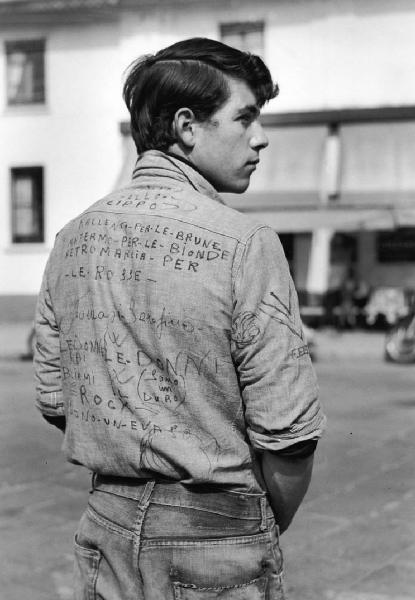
353 538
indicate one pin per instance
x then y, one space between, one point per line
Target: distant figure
347 308
171 353
361 297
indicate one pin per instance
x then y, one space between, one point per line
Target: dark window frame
35 49
287 242
396 246
36 174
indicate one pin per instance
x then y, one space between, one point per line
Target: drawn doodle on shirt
78 374
300 351
120 378
129 246
166 321
109 348
91 399
87 414
246 329
122 372
187 363
116 339
127 227
78 349
163 383
158 441
278 311
190 250
84 309
151 199
158 390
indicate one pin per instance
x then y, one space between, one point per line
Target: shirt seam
249 235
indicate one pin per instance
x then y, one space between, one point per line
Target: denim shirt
169 335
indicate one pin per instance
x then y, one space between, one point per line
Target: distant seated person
347 308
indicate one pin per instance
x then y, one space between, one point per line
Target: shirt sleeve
276 376
47 363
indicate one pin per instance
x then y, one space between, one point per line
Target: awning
285 190
338 219
377 163
292 164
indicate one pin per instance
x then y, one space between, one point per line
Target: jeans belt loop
148 490
263 505
93 480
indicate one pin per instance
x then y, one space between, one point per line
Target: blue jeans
164 541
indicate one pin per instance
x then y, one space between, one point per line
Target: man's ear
184 127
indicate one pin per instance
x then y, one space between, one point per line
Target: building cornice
27 12
340 116
21 12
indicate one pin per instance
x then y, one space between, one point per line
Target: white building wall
74 136
342 53
330 55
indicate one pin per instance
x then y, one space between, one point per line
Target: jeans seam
222 587
202 509
263 505
247 540
141 514
276 559
101 520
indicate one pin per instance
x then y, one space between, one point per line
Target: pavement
352 539
14 336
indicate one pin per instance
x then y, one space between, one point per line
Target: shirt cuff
275 442
51 404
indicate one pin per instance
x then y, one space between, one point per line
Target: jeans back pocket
86 571
252 590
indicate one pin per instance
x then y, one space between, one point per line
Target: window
25 72
287 242
396 246
247 36
343 249
27 204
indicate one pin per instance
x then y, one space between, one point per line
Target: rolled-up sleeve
276 376
47 363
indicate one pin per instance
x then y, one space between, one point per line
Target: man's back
143 286
170 348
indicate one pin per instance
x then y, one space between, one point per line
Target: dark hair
191 73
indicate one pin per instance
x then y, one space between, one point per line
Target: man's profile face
228 144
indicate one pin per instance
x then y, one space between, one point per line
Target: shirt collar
156 163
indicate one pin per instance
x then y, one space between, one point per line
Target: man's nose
259 140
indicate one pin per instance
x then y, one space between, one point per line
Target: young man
170 349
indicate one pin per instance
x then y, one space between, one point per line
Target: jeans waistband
201 497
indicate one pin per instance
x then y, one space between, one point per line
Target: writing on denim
153 435
149 244
300 351
83 309
151 199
